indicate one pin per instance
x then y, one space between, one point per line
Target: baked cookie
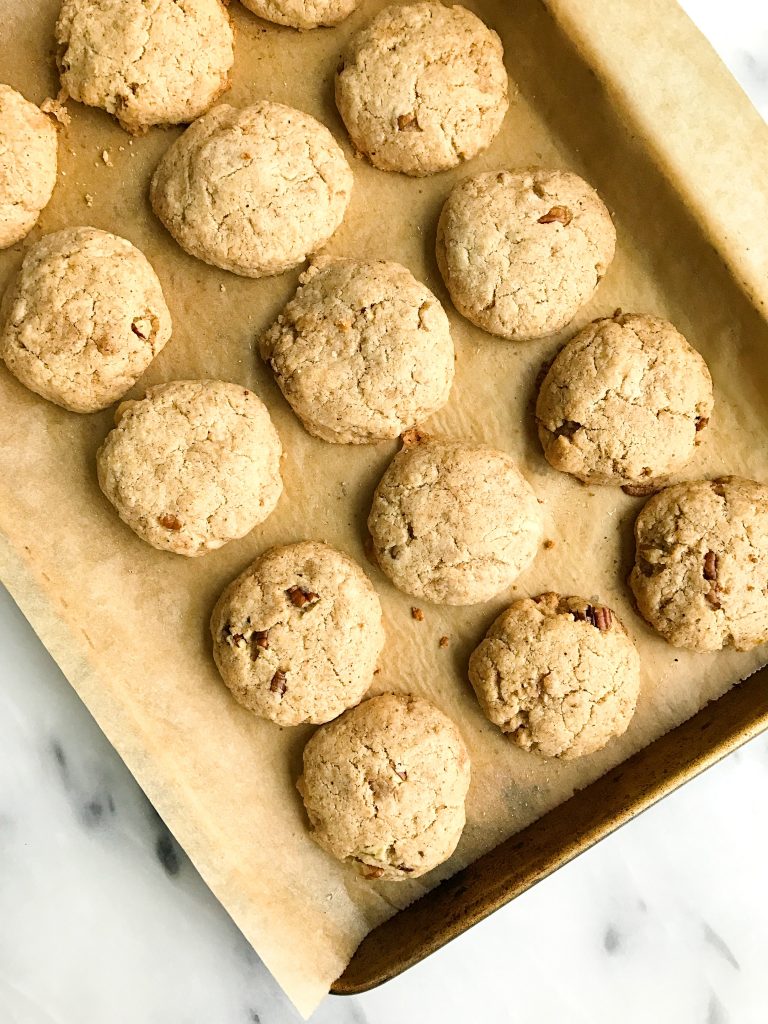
192 465
384 787
454 523
422 87
296 637
83 319
701 564
521 252
624 402
253 191
28 163
163 62
561 676
303 14
362 352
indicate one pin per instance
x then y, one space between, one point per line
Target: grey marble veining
103 920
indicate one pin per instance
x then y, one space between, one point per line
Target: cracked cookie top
28 164
384 787
560 675
145 61
362 352
422 87
254 191
701 564
83 318
624 402
304 14
192 465
520 253
296 637
454 523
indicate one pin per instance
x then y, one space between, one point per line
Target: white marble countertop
103 920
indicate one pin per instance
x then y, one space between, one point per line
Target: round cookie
521 253
384 787
28 164
422 87
362 352
701 564
163 62
253 191
454 523
302 14
296 637
192 465
561 676
624 402
83 319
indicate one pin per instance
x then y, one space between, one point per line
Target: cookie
560 675
453 523
422 87
163 62
83 319
296 637
303 14
701 565
362 352
624 402
384 787
192 465
253 191
28 163
521 253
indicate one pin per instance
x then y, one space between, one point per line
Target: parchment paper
129 625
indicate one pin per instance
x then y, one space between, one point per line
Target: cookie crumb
444 641
88 199
548 545
106 158
418 614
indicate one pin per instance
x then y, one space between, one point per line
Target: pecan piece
639 490
369 871
558 214
278 684
259 642
300 597
418 614
407 123
710 566
444 641
169 521
701 422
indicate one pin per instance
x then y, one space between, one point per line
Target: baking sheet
128 624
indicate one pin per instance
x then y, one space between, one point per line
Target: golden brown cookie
522 252
560 675
296 636
624 402
701 564
384 787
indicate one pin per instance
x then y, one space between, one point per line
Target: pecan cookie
83 319
296 636
28 164
454 523
701 564
624 402
522 252
384 787
362 352
303 14
253 191
158 62
422 87
192 465
561 676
